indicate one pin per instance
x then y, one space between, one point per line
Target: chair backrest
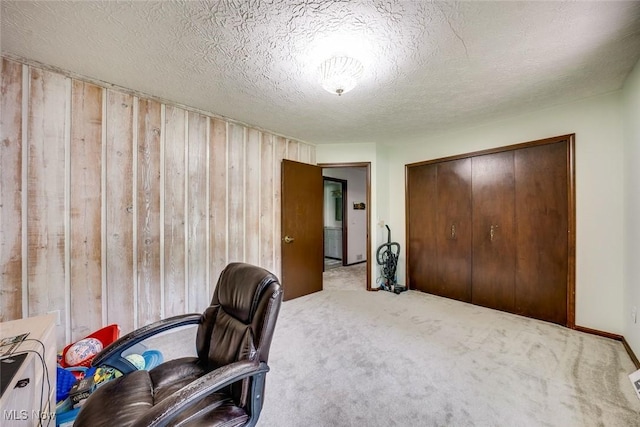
240 321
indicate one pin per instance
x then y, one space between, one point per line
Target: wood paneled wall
116 208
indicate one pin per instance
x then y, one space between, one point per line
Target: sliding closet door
542 231
494 246
421 233
453 237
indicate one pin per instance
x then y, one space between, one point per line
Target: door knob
288 239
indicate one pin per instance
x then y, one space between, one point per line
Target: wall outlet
57 314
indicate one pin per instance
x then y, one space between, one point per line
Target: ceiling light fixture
340 74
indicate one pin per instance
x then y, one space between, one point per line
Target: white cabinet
333 242
30 395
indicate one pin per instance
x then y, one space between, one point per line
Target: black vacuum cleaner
387 257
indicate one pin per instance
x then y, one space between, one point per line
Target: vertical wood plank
280 154
148 212
293 148
218 198
11 192
119 210
174 215
197 213
46 130
304 154
252 197
243 183
267 256
312 155
235 190
86 216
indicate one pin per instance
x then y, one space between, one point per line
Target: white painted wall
383 190
356 220
631 109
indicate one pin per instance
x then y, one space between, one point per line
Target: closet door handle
492 231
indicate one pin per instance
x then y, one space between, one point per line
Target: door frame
343 189
366 165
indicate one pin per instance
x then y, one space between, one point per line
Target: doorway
335 224
354 228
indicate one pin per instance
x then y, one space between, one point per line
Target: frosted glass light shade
340 74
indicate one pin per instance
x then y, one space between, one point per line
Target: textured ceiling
429 66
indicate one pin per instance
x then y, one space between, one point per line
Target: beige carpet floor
348 357
347 278
357 358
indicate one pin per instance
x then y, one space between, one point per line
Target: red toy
106 336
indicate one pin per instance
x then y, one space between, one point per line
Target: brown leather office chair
223 385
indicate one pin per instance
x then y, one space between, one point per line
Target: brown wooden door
453 238
302 229
494 245
421 235
542 231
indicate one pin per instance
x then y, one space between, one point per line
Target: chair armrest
112 354
163 413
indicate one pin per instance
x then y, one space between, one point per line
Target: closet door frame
571 209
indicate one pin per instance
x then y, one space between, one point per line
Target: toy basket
106 336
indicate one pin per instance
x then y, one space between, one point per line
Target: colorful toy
82 351
152 358
106 336
105 374
136 360
64 381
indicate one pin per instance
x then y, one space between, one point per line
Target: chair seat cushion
216 410
131 394
173 375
